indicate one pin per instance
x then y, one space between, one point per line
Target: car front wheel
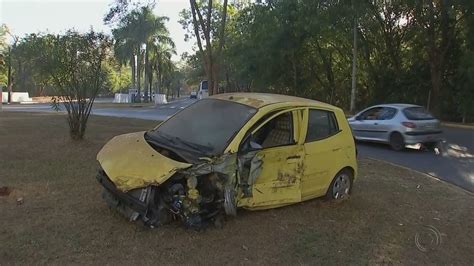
396 141
341 186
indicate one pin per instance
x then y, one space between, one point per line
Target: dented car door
323 152
275 169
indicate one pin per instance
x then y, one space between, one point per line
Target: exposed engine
196 201
198 196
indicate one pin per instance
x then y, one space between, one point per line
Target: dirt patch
64 220
5 191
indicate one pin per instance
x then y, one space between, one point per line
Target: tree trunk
150 81
215 75
10 78
150 85
133 65
139 68
210 59
146 73
436 83
227 80
354 70
158 78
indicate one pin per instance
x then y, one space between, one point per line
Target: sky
57 16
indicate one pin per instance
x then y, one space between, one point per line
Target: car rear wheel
397 142
341 186
430 145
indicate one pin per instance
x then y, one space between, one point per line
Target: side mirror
249 144
254 145
358 118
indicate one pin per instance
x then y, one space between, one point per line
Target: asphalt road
158 113
452 162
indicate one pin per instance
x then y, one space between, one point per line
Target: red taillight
409 124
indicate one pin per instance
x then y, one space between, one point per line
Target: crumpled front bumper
125 203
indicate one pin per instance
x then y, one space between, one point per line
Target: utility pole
354 68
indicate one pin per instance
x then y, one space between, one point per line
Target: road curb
425 174
453 125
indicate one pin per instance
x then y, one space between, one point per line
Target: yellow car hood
130 162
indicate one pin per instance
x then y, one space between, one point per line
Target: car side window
386 113
276 132
371 114
321 124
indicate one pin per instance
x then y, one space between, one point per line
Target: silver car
397 125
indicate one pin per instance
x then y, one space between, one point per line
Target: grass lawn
63 218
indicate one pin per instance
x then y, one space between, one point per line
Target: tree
75 63
158 47
464 78
161 63
405 49
208 24
436 22
3 55
118 76
136 35
31 73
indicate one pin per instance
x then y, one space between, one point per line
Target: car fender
130 162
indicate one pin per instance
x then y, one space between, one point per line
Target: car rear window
321 124
417 113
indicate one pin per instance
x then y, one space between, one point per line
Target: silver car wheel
341 187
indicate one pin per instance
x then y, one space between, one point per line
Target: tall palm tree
162 63
138 34
127 44
155 35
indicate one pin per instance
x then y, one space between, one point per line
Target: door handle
336 149
293 157
376 124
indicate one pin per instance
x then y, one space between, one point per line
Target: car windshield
417 113
207 125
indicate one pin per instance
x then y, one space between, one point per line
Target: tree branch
222 33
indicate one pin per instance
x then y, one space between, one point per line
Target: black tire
334 191
396 141
430 145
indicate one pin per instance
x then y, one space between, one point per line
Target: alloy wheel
341 187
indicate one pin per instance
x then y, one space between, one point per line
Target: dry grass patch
64 220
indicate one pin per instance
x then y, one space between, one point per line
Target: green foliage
75 64
118 77
143 43
193 70
465 85
407 50
30 70
3 55
186 20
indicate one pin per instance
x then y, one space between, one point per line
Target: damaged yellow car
229 151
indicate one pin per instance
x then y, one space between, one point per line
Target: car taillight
409 124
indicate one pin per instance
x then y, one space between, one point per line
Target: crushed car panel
279 179
130 162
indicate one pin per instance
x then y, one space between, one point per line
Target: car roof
258 100
397 105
